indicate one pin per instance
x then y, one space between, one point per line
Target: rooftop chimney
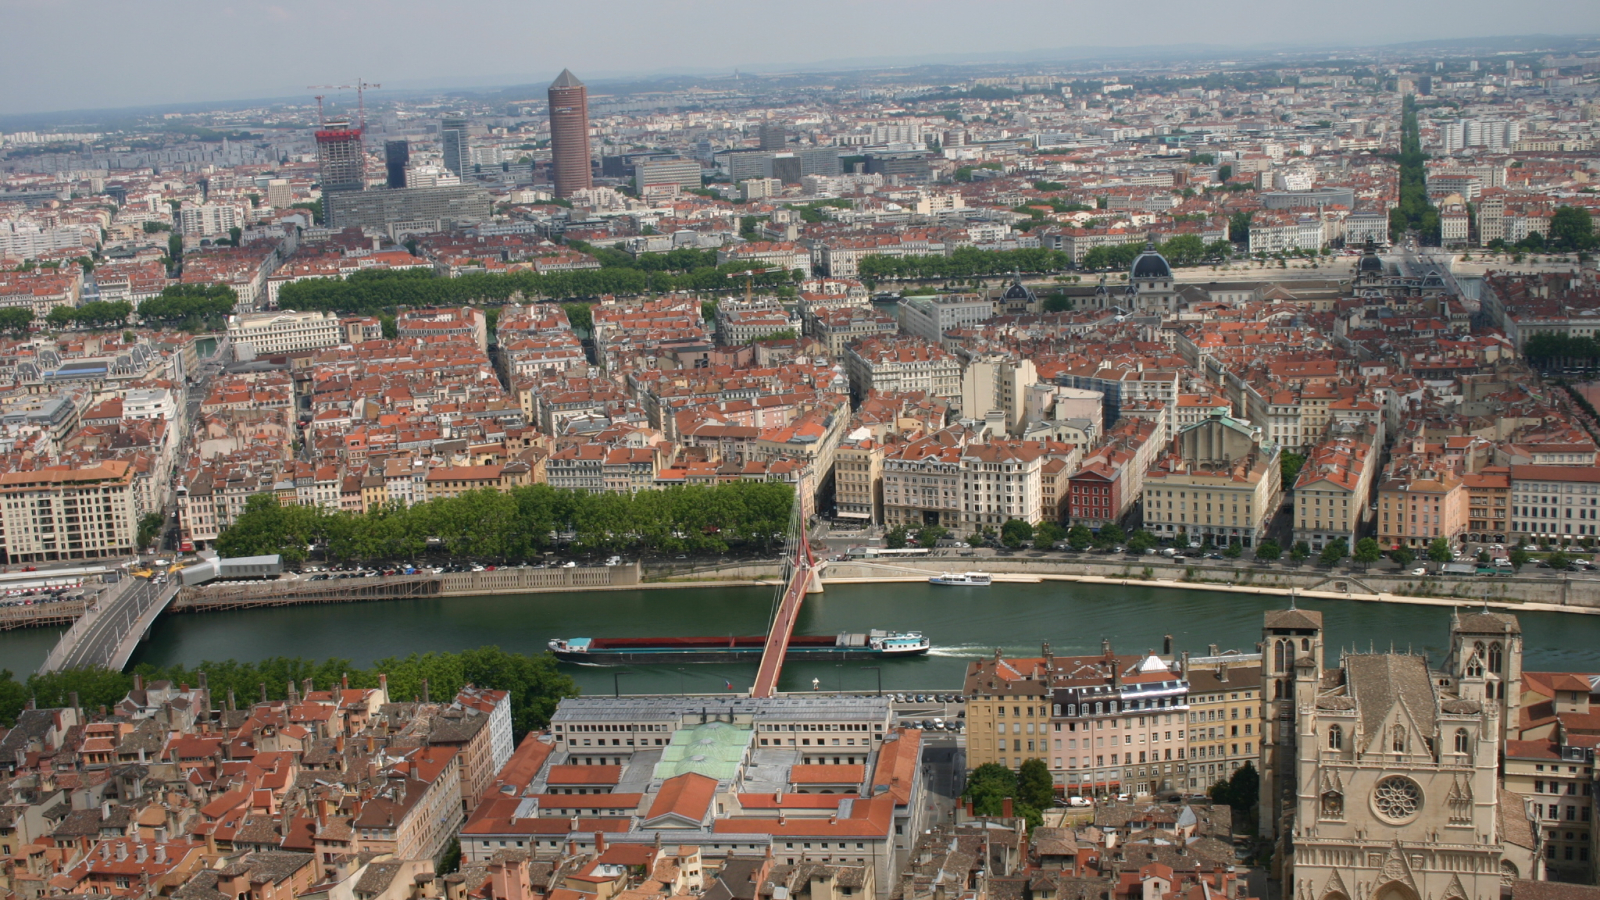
1166 645
424 690
599 842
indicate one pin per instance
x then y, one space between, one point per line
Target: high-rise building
341 161
773 136
457 151
396 157
569 135
415 207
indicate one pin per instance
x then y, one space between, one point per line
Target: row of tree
1182 250
535 682
1415 212
966 262
376 291
522 523
192 307
1030 790
96 314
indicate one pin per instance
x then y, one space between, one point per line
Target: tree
1483 558
1290 464
988 787
930 535
1571 228
1035 787
16 319
1224 173
1519 558
1047 535
578 314
1233 550
1079 537
1268 549
1367 552
1016 533
895 539
1335 551
1439 550
1140 541
1558 560
1402 557
1239 227
1239 790
1111 533
1299 552
60 317
150 528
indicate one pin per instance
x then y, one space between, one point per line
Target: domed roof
1370 262
1151 264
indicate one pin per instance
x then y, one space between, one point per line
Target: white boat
962 579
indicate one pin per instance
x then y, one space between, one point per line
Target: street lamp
616 681
879 670
681 689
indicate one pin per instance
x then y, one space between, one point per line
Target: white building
156 403
930 317
284 332
209 219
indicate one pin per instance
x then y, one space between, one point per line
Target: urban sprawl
1208 316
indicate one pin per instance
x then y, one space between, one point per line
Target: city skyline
814 43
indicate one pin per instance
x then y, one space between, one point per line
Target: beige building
900 363
1417 506
1224 716
1330 495
1391 787
59 513
284 332
858 480
1000 481
1223 482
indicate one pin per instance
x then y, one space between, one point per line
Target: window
1461 740
1398 741
1335 737
1494 657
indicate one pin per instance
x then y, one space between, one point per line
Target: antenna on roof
1292 599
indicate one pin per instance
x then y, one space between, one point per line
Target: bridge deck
777 645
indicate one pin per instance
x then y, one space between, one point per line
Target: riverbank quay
1544 593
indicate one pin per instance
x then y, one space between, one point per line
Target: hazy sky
76 54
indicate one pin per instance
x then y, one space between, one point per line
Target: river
962 623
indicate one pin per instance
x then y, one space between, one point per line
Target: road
101 636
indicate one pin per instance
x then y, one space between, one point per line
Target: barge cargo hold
846 645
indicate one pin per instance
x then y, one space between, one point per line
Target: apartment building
922 484
1224 716
1417 506
858 480
1103 724
900 364
1330 494
61 513
837 327
1555 502
931 318
1488 504
1000 481
261 334
1222 481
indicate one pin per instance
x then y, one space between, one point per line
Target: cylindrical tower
569 135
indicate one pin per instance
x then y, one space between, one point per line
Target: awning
852 515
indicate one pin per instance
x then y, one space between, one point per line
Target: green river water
962 623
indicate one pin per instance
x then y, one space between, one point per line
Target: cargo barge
846 645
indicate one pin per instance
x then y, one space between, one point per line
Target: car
1123 798
1079 801
1213 556
1419 571
569 564
927 724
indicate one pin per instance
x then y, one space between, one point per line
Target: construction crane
360 87
749 280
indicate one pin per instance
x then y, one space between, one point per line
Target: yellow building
858 480
1224 716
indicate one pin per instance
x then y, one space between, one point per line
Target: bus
885 553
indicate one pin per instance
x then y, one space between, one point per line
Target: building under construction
341 160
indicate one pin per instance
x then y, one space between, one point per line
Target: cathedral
1380 777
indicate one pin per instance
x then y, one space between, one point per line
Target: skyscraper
396 156
341 162
457 153
569 135
774 136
